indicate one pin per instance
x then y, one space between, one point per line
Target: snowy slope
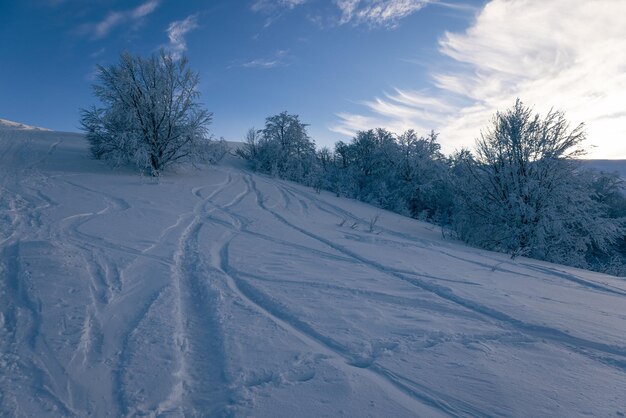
218 292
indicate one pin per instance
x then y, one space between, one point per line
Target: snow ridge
8 125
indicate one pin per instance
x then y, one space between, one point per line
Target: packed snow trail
219 292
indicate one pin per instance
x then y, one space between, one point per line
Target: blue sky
342 65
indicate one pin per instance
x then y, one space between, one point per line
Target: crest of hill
10 125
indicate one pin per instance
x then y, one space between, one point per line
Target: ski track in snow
201 382
596 350
171 294
317 342
410 241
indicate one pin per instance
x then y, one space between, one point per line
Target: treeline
522 190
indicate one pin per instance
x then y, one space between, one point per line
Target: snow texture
218 292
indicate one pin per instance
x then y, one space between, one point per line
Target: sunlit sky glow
342 65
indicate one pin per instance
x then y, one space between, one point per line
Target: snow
219 292
7 124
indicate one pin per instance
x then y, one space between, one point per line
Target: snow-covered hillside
218 292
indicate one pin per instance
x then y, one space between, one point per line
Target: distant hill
10 125
608 166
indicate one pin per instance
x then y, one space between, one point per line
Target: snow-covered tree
371 158
150 116
282 148
403 173
423 174
525 193
250 148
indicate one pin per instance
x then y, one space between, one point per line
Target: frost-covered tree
609 190
404 173
371 156
524 192
423 173
250 148
282 148
150 116
323 175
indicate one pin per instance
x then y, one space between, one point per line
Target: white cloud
385 13
176 32
279 59
144 9
274 9
272 5
566 54
101 29
377 12
402 110
262 63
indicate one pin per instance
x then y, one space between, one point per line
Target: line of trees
522 191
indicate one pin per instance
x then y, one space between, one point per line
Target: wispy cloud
279 59
272 5
565 54
176 32
397 111
377 12
374 13
113 19
274 9
97 53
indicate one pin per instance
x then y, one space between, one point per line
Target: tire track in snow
599 351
